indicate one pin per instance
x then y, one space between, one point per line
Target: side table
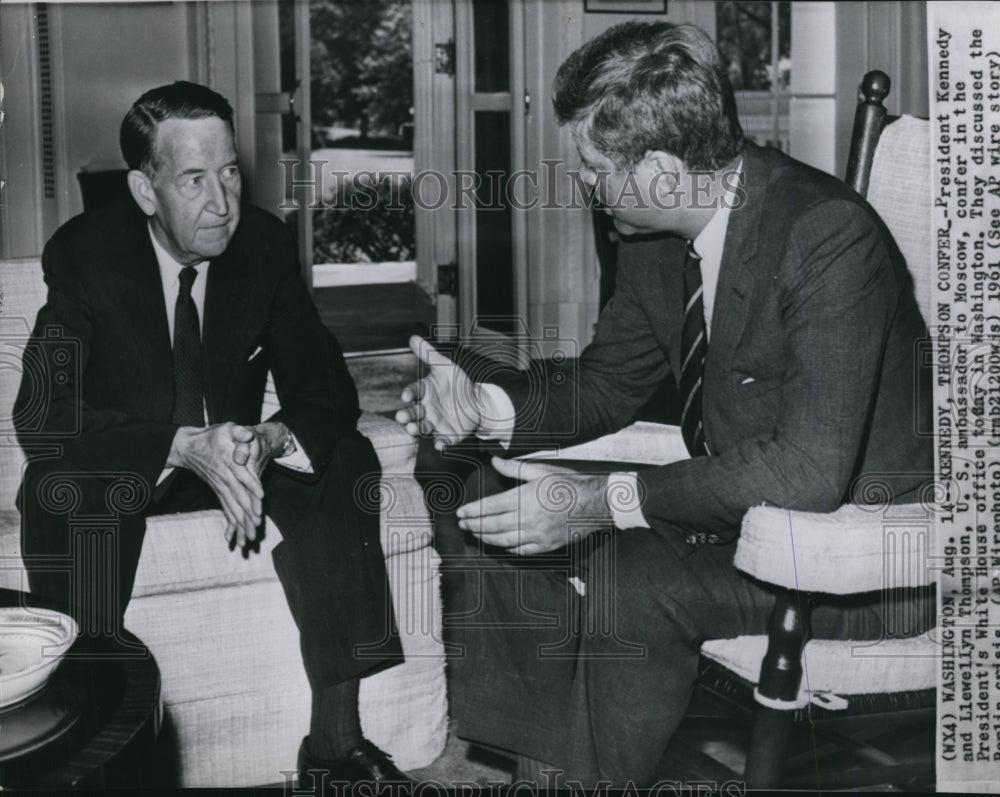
93 725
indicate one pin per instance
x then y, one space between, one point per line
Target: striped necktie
189 390
694 344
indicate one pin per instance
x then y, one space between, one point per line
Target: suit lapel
228 313
736 271
736 274
144 308
671 253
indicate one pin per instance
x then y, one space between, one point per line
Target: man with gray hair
775 298
181 299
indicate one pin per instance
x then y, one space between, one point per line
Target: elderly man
776 299
181 301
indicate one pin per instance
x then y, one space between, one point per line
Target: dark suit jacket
810 379
110 406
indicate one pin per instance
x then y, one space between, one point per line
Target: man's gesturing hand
553 507
209 453
445 402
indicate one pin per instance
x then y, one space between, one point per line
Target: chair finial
875 87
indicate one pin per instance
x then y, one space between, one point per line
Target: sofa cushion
233 676
23 292
238 740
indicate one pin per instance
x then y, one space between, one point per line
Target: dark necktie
189 390
694 344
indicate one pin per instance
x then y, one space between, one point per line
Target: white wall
103 57
107 56
833 46
21 197
890 36
813 106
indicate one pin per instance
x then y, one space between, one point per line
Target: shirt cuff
163 474
496 414
297 460
625 501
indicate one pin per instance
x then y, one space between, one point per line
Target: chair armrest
854 549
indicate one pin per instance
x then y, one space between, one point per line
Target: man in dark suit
776 299
179 304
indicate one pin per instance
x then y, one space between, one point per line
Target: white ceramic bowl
32 644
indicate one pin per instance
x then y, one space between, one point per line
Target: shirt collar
711 240
170 269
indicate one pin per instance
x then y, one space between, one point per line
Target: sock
335 727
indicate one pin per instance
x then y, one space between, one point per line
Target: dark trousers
82 536
594 675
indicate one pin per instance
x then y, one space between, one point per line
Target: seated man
776 298
178 305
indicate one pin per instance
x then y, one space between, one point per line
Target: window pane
494 249
743 32
361 94
746 32
491 35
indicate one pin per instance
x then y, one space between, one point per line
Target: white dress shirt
170 279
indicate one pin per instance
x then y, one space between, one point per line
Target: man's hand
266 443
444 403
553 507
210 454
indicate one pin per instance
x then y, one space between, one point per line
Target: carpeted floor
371 317
381 378
463 763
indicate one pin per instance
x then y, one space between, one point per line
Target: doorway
352 136
387 94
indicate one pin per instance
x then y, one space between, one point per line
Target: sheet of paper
642 443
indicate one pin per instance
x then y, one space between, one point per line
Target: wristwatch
288 446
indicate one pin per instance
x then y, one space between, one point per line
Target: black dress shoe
366 763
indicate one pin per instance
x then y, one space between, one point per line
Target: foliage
360 63
385 87
360 228
743 33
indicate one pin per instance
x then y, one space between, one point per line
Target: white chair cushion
854 549
841 667
899 188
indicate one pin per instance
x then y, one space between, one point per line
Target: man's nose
218 199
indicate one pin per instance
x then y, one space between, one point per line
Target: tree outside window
746 33
361 94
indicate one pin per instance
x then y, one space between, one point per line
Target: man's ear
666 170
142 191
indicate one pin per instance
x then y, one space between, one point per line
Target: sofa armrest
854 549
396 450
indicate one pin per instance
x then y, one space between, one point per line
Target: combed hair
179 100
647 86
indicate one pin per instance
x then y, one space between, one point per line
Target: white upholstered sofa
234 691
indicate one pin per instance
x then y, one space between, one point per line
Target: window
361 100
755 41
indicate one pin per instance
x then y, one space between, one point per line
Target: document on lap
642 443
